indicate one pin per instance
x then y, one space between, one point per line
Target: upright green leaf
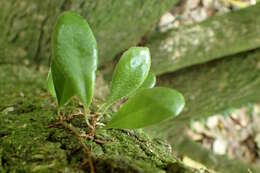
74 62
149 81
50 86
147 107
130 73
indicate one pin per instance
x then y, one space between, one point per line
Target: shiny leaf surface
148 107
150 81
130 73
74 60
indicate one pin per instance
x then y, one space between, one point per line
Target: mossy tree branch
215 162
209 89
213 87
26 25
217 37
28 144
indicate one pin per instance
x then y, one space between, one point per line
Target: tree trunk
216 86
33 140
214 162
208 89
26 25
212 88
29 141
217 37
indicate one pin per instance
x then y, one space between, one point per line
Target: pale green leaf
74 63
148 107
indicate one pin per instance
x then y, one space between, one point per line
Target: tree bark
26 142
26 25
33 140
211 88
214 162
217 37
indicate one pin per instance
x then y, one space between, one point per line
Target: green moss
117 25
217 37
29 144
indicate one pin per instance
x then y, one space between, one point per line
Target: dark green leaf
74 60
130 73
50 86
147 107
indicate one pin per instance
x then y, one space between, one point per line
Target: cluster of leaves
73 72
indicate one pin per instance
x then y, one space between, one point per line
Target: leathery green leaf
50 86
130 72
148 107
74 63
149 81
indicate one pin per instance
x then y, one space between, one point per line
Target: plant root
83 145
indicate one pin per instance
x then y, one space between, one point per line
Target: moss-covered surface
30 142
218 163
26 25
217 37
211 88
